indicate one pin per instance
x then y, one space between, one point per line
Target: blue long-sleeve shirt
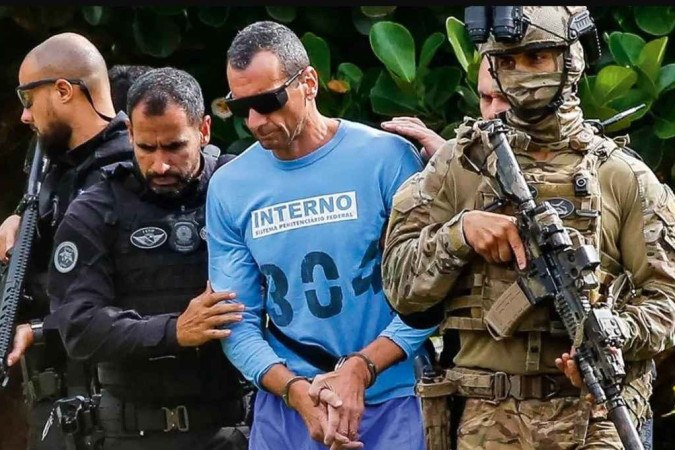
311 227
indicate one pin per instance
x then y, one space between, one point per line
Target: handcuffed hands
319 411
349 385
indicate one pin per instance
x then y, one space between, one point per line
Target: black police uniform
126 263
50 373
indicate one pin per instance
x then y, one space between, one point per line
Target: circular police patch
184 237
563 206
65 256
148 237
202 233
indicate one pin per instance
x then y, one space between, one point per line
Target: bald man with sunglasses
65 94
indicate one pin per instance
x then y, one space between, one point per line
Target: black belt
183 417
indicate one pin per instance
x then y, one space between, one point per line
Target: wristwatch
38 332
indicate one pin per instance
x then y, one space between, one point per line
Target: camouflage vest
574 191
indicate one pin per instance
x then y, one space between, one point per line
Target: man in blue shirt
303 209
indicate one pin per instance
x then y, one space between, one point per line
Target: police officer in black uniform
64 89
128 283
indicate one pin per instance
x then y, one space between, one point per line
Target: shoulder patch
65 256
148 237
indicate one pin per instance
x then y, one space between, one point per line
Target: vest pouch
507 312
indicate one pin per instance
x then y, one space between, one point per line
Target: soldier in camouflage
446 256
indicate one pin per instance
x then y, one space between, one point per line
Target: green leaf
586 89
214 16
285 14
591 106
377 11
460 41
471 99
429 49
666 79
612 81
651 58
472 71
664 129
158 36
440 84
393 44
92 14
625 48
656 20
630 98
387 100
645 83
319 55
624 18
362 23
648 145
351 73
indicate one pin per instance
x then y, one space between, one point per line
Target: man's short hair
159 87
270 36
121 78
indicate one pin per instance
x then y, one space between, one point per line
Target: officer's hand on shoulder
8 233
204 317
414 128
494 237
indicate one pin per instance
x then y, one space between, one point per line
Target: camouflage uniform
627 214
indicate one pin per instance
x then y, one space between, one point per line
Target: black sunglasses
263 103
23 90
26 99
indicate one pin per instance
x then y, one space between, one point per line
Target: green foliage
373 62
656 20
395 47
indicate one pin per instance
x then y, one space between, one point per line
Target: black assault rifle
13 274
558 272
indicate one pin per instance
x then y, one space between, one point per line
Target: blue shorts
393 424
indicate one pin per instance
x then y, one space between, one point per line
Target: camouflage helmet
553 27
547 26
569 28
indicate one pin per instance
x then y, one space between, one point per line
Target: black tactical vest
65 179
160 261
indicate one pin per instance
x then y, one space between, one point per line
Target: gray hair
270 36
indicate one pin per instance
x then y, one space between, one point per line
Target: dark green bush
373 62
